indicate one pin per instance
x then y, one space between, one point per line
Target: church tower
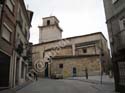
50 30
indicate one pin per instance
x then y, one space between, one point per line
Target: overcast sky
77 17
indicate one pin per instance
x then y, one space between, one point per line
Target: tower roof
51 17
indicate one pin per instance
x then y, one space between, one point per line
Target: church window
84 50
60 65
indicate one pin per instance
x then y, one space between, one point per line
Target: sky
77 17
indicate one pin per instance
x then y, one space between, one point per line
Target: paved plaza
66 86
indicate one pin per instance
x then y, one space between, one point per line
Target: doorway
74 71
46 69
17 71
4 70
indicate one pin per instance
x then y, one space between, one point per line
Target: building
22 46
7 31
15 22
115 19
71 56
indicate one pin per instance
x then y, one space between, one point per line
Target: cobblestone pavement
66 86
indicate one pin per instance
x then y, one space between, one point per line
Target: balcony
24 53
121 40
19 48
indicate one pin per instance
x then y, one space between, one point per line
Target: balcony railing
121 40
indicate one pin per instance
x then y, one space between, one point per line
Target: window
48 22
60 65
10 4
84 50
6 32
113 1
122 23
74 72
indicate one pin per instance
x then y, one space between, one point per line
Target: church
68 57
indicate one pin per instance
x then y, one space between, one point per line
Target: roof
51 17
70 38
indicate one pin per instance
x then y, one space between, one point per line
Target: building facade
15 22
115 19
7 31
22 45
71 56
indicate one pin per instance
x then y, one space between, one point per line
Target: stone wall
62 51
79 62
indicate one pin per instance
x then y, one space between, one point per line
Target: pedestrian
86 72
35 76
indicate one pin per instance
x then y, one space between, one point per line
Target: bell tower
50 30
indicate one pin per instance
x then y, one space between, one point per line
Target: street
66 86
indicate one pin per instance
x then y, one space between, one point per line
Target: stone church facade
71 56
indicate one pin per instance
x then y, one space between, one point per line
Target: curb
8 91
93 81
3 88
13 90
23 85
